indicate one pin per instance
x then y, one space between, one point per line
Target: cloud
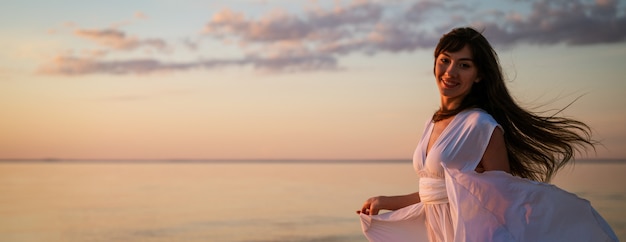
70 65
140 15
74 66
361 27
366 27
281 26
358 27
190 44
118 40
554 22
317 38
293 63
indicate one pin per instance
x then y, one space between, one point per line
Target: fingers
370 207
373 210
365 208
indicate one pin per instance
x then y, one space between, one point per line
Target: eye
465 65
444 60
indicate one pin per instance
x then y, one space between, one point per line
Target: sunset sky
284 79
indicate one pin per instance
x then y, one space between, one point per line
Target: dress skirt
493 206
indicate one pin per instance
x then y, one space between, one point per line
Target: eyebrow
460 59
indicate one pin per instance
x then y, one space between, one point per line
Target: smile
449 84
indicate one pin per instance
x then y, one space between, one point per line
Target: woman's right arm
374 204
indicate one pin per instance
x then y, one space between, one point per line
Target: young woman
482 161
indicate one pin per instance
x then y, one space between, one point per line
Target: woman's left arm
495 156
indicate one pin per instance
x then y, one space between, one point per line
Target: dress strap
432 190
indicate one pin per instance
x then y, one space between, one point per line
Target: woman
481 162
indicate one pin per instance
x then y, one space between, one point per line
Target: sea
231 201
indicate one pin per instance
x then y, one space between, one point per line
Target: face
455 74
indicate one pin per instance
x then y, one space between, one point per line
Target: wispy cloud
118 40
69 65
140 15
74 66
569 22
359 27
316 39
318 24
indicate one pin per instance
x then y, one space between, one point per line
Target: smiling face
455 73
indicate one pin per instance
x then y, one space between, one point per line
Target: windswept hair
537 146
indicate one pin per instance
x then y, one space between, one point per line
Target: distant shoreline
255 161
294 161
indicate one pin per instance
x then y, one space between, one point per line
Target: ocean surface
221 201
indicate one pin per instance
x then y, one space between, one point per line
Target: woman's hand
373 205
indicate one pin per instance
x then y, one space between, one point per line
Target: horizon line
250 160
199 160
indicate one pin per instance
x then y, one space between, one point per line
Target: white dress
459 204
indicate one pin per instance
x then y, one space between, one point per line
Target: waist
433 190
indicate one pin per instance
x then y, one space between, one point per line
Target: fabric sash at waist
432 190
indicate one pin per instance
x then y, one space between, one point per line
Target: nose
451 70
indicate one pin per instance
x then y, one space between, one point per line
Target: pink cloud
140 15
554 22
74 66
315 39
118 40
280 25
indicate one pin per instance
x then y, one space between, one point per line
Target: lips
449 83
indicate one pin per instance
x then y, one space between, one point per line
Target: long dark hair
537 146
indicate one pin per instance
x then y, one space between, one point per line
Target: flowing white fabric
489 206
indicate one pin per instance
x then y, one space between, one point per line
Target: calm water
228 202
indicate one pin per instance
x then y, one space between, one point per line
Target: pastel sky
284 79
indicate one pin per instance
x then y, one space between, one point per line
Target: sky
285 79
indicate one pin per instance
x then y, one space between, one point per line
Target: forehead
463 53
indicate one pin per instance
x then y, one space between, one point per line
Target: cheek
470 77
438 70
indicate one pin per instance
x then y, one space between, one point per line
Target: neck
448 104
448 109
